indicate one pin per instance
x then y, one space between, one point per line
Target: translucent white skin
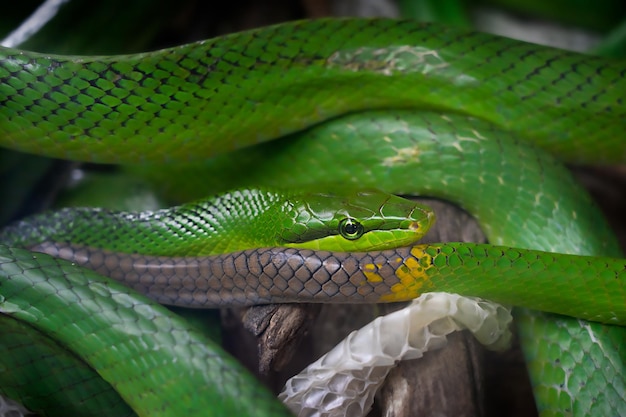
344 381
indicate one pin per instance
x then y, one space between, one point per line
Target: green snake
476 95
238 220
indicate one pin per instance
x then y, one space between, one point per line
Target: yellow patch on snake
371 273
412 276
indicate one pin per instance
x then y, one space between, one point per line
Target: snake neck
224 223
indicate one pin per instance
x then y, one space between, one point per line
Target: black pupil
351 228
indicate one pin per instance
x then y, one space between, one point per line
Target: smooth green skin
142 107
568 101
235 221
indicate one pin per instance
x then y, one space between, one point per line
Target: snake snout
422 225
415 226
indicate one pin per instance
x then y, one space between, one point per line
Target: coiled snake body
462 102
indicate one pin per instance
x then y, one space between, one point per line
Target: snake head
235 221
355 221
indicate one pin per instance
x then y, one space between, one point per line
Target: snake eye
350 229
